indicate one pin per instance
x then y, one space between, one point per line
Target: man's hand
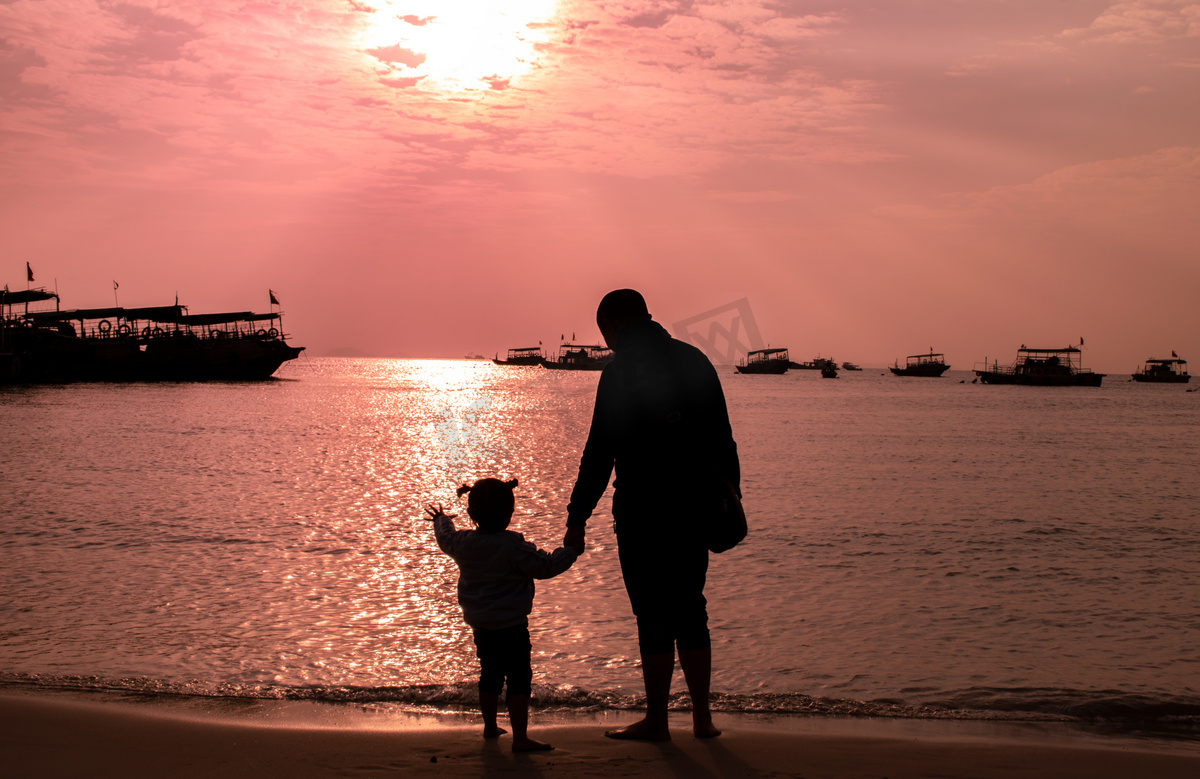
575 538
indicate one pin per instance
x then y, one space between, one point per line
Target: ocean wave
1178 716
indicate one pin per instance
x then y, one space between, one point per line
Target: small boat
849 366
1172 370
815 364
474 357
1042 368
932 364
580 357
765 361
526 355
162 343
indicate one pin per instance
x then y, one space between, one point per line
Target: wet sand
67 736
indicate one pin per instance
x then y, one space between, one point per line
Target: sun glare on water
457 45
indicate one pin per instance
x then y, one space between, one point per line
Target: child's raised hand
434 513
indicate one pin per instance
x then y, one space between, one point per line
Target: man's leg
657 670
697 671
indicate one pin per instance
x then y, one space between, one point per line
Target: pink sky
875 179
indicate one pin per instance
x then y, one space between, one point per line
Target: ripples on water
920 544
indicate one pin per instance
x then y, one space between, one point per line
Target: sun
458 45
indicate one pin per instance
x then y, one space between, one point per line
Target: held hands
575 538
436 512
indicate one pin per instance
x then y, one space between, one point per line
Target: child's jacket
496 572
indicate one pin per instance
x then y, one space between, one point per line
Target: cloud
398 54
1141 22
14 61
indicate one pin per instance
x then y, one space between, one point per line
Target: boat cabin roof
1167 361
153 314
765 352
526 349
931 354
162 314
18 297
1067 350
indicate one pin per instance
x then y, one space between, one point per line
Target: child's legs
491 676
518 670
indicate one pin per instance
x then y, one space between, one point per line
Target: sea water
918 547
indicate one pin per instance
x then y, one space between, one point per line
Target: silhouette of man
660 421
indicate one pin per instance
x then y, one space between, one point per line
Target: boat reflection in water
1042 368
163 343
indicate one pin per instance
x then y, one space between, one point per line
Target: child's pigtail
511 484
463 490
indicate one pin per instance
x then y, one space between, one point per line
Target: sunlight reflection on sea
923 541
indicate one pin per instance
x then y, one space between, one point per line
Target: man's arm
727 456
596 464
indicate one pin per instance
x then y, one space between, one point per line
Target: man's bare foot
705 730
529 745
493 731
641 731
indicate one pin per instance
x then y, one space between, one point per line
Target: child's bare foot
642 730
529 745
493 731
705 729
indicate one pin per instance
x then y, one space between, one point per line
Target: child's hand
434 513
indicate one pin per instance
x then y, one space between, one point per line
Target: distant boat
1042 368
773 361
526 355
849 366
930 365
1166 371
816 364
580 357
474 357
163 343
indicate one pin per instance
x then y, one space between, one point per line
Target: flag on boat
274 300
1081 340
1176 356
28 272
115 285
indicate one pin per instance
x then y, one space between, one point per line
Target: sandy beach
66 736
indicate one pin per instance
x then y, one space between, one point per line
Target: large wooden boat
525 355
163 343
1172 370
765 361
580 357
932 365
1042 368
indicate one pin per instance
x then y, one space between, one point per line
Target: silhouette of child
496 569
